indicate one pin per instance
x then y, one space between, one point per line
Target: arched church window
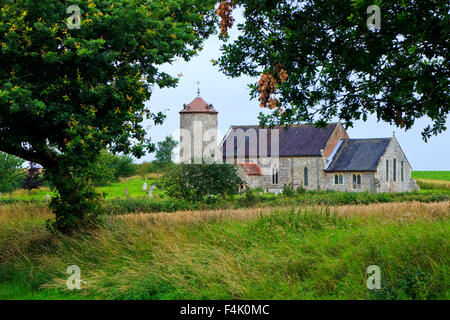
387 170
403 172
274 175
395 170
306 176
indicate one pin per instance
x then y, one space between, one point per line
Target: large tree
318 59
66 92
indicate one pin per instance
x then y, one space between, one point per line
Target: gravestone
150 191
144 187
126 191
47 196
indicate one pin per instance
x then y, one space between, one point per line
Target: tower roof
198 105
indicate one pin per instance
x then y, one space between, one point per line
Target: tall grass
260 253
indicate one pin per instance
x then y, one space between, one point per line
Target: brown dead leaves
268 84
224 12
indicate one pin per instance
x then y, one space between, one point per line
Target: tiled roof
358 155
198 105
251 169
294 141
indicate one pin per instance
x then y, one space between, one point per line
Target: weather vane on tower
198 91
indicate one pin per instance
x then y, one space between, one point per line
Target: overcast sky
231 99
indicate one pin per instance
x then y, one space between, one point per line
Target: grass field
309 246
432 175
312 253
114 190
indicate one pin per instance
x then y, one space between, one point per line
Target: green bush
193 182
11 173
288 190
109 168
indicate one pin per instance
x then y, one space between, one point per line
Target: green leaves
66 94
194 182
338 67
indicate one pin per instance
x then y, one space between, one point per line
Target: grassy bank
233 254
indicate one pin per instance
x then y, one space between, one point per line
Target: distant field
432 175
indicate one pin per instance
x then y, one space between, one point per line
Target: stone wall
387 184
198 136
290 171
367 181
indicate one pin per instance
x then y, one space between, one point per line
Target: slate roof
358 155
198 105
295 141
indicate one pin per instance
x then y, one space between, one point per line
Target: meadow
310 253
307 246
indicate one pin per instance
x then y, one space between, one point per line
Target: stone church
300 155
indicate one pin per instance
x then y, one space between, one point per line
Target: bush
193 182
109 168
300 190
11 173
288 190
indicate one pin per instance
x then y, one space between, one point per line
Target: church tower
198 131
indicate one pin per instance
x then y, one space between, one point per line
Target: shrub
288 190
249 198
11 173
192 182
300 190
109 168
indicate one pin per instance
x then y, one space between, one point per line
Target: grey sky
231 98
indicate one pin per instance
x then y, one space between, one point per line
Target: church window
395 170
356 181
306 176
387 170
336 179
274 175
341 179
403 172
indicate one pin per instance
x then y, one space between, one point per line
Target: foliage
33 179
100 172
249 197
164 150
319 59
193 182
66 94
108 168
300 190
288 190
10 172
